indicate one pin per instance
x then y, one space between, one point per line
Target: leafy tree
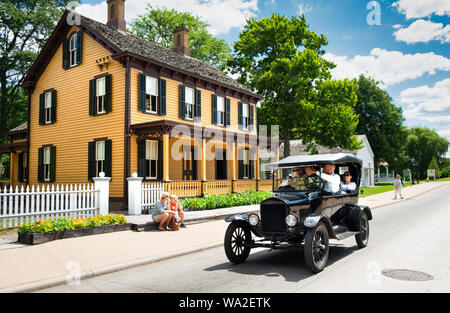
282 60
423 145
157 25
382 122
25 25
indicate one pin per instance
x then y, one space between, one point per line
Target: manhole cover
410 275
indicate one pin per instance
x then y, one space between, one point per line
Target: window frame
148 96
245 118
47 166
73 58
148 160
100 162
100 100
187 104
220 113
246 158
48 107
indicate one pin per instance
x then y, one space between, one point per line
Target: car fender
312 221
237 217
366 209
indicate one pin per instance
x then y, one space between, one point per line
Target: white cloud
390 67
304 8
397 26
423 31
222 15
420 8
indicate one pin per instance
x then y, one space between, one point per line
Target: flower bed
44 231
211 202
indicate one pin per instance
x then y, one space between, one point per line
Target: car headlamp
253 219
291 220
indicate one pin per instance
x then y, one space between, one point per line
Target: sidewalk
29 268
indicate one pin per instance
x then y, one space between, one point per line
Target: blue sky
409 50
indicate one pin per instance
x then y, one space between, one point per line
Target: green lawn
379 188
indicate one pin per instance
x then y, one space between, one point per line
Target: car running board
346 234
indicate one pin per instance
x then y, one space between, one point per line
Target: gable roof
122 43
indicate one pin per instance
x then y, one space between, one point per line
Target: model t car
303 210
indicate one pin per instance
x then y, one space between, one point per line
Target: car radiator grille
273 217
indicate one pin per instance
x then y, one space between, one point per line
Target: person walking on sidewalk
161 214
398 186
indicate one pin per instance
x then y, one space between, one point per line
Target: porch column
277 159
203 161
166 157
233 164
257 164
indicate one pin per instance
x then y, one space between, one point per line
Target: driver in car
331 180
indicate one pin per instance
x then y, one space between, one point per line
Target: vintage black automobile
302 212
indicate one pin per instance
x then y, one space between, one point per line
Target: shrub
210 202
72 223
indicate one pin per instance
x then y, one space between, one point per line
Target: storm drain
410 275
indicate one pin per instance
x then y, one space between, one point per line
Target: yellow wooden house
103 100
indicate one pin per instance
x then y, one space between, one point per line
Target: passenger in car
347 186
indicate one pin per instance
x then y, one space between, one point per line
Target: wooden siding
74 128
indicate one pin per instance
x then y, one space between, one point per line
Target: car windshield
296 179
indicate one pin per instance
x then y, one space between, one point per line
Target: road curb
61 280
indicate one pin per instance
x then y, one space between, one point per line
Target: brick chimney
181 40
116 15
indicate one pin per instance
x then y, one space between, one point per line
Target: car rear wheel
316 248
362 239
237 240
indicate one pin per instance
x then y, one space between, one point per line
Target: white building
365 154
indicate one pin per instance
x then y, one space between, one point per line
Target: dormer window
72 50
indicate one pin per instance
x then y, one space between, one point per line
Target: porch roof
13 147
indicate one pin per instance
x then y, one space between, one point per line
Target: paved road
411 234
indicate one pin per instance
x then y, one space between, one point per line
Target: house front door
189 164
221 164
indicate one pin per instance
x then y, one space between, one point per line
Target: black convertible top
314 160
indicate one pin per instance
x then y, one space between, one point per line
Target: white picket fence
150 194
29 204
142 195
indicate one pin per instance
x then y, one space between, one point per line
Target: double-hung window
245 116
151 158
101 95
246 162
47 164
73 50
99 157
220 111
189 102
151 100
48 107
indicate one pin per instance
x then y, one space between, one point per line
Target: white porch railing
142 195
26 205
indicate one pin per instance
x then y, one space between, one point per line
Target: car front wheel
316 248
237 240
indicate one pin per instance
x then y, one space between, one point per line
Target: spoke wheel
316 248
362 239
237 239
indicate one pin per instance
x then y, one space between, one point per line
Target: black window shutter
108 158
162 96
251 164
142 92
53 117
251 117
91 160
182 100
79 46
52 164
41 165
160 160
241 163
20 176
214 109
41 109
228 112
198 105
92 91
65 53
108 93
142 164
240 115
